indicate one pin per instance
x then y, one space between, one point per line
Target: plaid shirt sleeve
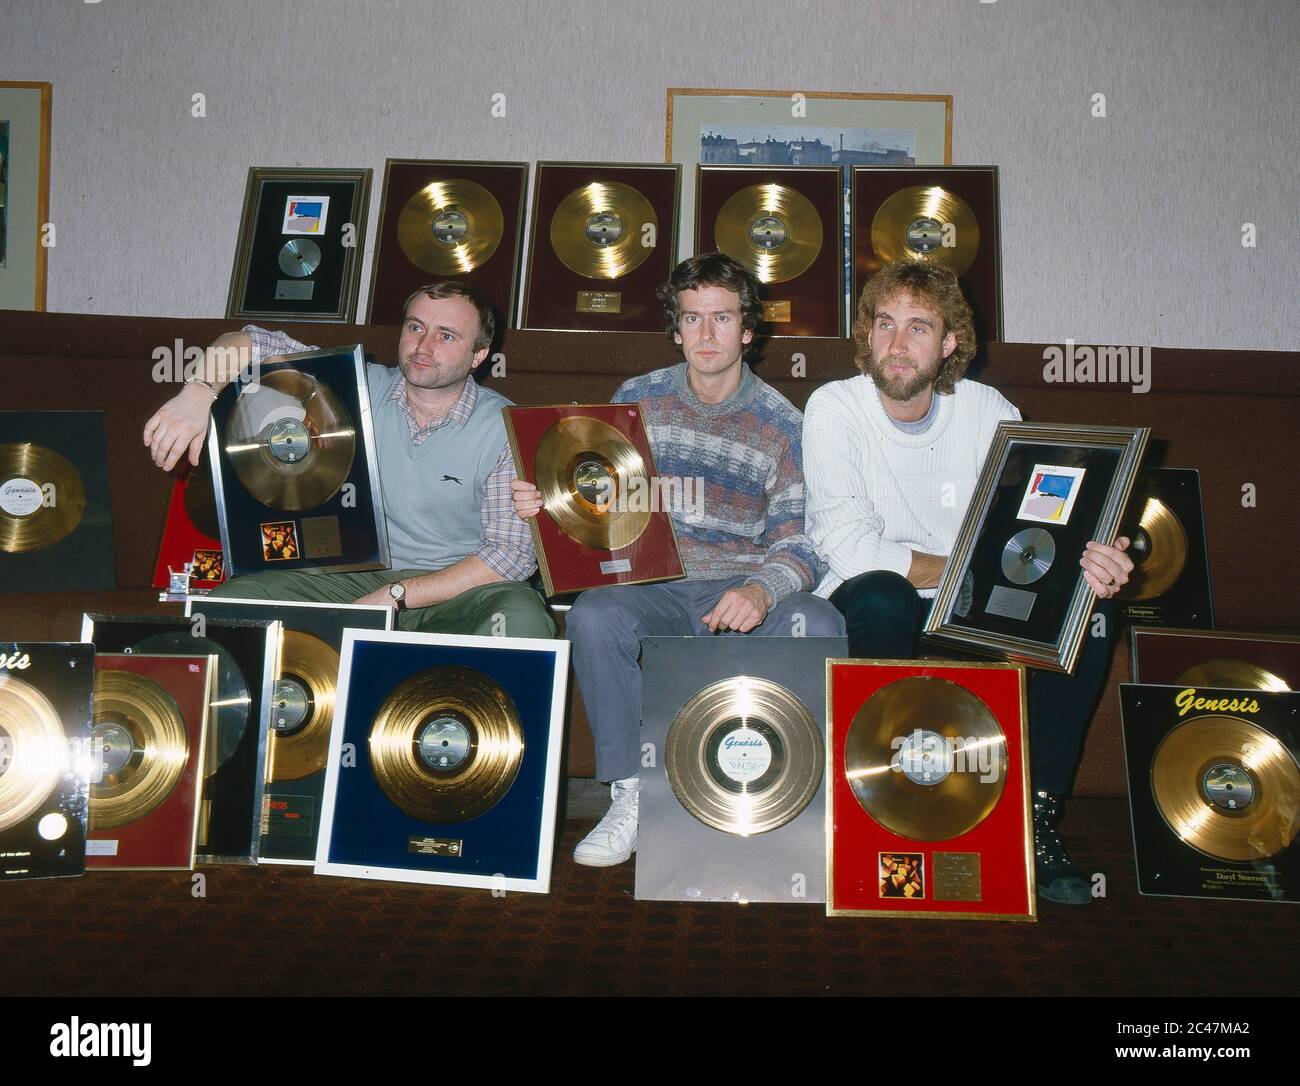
506 541
267 343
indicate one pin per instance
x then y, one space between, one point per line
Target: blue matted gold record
444 760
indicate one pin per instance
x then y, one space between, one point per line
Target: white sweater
876 494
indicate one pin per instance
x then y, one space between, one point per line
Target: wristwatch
398 591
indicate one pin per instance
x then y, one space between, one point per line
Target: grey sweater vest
433 492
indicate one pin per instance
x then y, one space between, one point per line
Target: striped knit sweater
747 451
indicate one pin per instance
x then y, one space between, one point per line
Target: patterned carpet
284 931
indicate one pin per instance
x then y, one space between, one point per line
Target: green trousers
500 609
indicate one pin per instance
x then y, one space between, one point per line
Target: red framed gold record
605 516
929 805
786 225
147 744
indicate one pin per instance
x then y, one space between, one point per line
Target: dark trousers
884 614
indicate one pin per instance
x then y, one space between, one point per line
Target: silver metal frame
368 441
1063 654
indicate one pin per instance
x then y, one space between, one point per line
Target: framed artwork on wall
24 193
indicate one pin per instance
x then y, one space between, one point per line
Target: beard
903 386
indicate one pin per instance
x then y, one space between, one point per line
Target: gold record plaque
1214 790
604 237
600 521
446 744
294 467
45 695
445 219
732 804
302 707
1165 525
945 215
139 748
744 756
786 225
929 791
56 528
459 743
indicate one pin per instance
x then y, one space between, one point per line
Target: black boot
1058 879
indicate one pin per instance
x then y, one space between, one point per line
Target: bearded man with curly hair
891 460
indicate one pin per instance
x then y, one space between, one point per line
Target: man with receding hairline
460 556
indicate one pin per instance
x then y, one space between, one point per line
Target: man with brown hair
748 564
892 458
460 556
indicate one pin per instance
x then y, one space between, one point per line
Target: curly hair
713 270
928 284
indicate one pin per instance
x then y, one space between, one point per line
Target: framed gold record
943 215
1214 790
56 525
603 239
443 219
732 785
929 795
605 516
785 224
294 467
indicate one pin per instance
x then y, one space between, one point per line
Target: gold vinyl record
232 704
138 746
1232 675
450 227
1158 550
42 498
772 229
33 750
598 229
302 707
915 222
926 758
1227 788
446 744
590 476
290 440
744 756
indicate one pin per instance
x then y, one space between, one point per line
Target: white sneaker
614 839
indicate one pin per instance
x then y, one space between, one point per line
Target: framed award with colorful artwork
301 237
1013 586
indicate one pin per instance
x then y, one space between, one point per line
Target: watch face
397 591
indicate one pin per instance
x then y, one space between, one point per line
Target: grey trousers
606 625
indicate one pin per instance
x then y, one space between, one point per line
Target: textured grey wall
1124 230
